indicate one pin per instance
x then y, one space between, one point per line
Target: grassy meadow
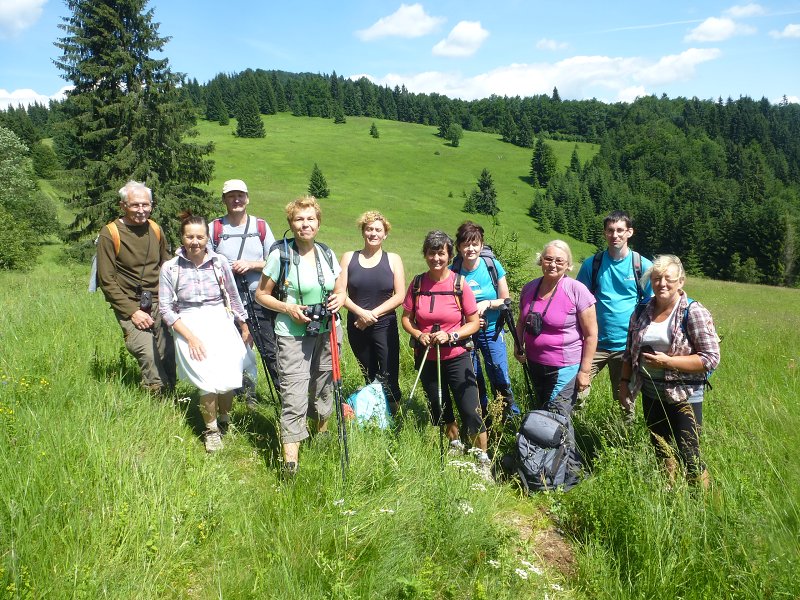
108 493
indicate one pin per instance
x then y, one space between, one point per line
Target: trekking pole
344 455
421 366
508 317
439 395
252 316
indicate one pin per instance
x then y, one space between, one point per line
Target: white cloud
717 29
575 77
790 31
547 44
409 21
26 97
17 15
464 40
745 10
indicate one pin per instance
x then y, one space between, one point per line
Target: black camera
146 301
315 312
533 323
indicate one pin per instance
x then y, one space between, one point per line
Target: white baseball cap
234 185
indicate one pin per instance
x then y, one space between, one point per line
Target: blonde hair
302 203
661 264
370 217
561 245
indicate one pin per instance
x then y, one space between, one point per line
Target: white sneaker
213 441
456 448
484 466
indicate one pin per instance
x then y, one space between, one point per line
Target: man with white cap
245 241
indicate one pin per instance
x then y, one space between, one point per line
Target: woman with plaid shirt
672 346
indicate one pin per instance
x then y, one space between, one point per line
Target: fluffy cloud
26 97
790 31
622 78
464 40
409 21
547 44
746 10
17 15
717 29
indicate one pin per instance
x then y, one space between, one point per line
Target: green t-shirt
301 278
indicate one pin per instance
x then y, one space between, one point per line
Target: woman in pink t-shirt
440 311
558 327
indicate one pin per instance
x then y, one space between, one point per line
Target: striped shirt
196 286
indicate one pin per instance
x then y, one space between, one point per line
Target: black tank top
371 287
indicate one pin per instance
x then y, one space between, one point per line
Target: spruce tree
545 163
249 123
483 199
317 185
373 131
126 118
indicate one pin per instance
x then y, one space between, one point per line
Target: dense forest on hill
716 182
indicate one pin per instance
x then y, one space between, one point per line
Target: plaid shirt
700 338
197 286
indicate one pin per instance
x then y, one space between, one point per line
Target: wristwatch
454 337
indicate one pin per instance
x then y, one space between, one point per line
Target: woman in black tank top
375 283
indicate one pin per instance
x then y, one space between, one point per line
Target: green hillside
414 177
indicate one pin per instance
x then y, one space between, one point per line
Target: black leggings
677 424
377 350
458 377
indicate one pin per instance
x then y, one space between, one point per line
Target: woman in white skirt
199 301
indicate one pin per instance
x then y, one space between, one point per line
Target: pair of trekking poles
434 329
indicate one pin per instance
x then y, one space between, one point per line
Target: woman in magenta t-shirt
558 326
437 302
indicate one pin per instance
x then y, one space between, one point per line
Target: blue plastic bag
370 405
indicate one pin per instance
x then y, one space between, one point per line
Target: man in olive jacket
130 252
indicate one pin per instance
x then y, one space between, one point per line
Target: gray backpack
546 454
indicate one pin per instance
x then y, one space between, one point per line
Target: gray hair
436 240
661 263
561 245
131 186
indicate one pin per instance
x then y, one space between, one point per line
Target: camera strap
320 274
144 263
536 293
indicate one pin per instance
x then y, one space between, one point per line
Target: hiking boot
223 426
456 448
289 470
212 441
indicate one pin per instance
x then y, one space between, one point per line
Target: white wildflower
477 487
348 513
556 587
522 573
338 502
531 567
386 511
494 563
466 508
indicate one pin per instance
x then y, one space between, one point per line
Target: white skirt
221 370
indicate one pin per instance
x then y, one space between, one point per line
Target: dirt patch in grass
538 534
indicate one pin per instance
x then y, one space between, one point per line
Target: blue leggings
549 382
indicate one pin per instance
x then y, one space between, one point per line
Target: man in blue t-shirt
615 288
245 241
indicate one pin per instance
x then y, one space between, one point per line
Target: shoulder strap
327 253
113 231
636 258
596 261
261 224
685 318
415 290
156 229
491 266
216 232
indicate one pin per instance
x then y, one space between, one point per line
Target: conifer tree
544 163
125 117
317 185
574 161
249 123
373 131
483 199
338 114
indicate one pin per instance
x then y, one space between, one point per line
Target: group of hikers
232 285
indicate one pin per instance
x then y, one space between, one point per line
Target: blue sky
462 48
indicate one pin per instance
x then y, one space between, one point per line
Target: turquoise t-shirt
301 278
616 297
480 282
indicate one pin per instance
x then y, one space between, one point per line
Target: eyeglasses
670 280
142 207
552 260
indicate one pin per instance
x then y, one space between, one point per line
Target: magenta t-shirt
441 309
560 343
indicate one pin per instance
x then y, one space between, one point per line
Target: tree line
717 182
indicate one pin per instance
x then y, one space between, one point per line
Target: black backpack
289 256
546 456
487 254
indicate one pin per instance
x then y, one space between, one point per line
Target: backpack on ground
113 231
637 272
489 258
546 456
288 257
217 235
